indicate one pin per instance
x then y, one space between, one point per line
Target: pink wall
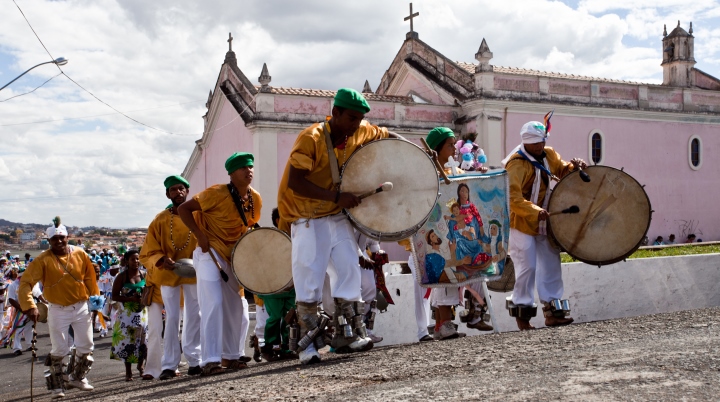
656 155
413 84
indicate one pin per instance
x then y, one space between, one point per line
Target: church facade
665 135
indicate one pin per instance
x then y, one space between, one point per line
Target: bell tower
678 57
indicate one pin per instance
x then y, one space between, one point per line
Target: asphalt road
670 356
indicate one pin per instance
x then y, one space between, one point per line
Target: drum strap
236 200
334 170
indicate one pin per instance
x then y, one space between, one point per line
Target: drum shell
262 261
615 215
396 214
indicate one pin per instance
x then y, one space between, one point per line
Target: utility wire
57 197
5 100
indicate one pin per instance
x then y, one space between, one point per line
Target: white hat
93 252
7 252
53 231
111 252
533 132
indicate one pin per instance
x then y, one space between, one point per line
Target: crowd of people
660 241
140 300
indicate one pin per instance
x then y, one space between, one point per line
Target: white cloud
157 60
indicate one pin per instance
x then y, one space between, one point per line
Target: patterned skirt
129 333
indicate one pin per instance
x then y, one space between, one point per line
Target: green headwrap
175 179
351 99
437 135
239 160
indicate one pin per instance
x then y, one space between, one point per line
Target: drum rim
390 236
600 263
232 261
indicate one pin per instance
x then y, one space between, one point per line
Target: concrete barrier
627 289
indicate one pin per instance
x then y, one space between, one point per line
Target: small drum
614 215
396 214
184 268
262 261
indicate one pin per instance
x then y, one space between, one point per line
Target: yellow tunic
521 174
59 287
158 244
310 153
220 219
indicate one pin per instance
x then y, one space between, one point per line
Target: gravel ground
671 356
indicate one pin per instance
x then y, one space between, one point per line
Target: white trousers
324 240
537 263
368 291
17 338
224 319
59 320
422 305
261 316
445 296
154 339
191 326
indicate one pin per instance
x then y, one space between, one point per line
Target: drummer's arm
523 208
185 210
151 253
298 183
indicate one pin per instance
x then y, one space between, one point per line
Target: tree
72 242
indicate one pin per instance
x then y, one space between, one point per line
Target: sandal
234 364
212 368
147 377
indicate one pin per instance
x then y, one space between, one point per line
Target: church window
695 152
596 146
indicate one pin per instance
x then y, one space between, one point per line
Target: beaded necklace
251 205
172 241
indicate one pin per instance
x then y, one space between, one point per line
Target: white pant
17 338
154 339
59 320
422 305
445 296
261 316
327 239
531 255
191 326
224 319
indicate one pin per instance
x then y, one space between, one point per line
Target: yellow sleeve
405 243
89 276
151 251
304 153
33 274
521 207
377 132
558 167
207 199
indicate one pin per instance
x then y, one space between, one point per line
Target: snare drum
614 215
396 214
262 261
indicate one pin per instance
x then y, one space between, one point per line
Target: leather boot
523 325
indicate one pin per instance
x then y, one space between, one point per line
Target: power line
59 197
5 100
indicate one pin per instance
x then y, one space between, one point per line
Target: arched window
596 147
695 152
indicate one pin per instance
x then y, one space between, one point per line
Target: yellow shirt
59 287
521 175
310 153
220 219
158 244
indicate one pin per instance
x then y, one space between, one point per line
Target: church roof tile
470 68
324 93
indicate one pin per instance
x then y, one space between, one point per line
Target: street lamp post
60 61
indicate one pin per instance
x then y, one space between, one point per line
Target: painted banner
466 237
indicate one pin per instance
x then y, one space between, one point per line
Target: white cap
93 252
111 252
53 231
533 132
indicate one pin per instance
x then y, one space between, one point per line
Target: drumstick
572 210
437 162
583 176
387 186
223 274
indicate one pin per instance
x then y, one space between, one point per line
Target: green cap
437 135
351 99
175 179
239 160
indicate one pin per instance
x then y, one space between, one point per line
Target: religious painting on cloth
466 236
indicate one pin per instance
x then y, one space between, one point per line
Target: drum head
396 214
614 215
262 261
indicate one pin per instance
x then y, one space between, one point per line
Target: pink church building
664 135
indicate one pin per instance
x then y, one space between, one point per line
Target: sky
63 152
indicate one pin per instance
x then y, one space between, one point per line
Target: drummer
310 200
528 166
168 240
218 224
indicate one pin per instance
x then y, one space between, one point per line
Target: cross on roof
410 17
230 39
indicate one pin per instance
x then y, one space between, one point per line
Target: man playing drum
167 241
222 214
529 167
310 201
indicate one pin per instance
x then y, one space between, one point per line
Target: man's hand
168 264
32 314
543 215
202 241
578 163
346 200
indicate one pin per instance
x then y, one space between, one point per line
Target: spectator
699 240
671 239
658 241
690 238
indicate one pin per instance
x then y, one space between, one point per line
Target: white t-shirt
12 291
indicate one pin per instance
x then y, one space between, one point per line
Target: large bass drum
396 214
614 215
262 261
